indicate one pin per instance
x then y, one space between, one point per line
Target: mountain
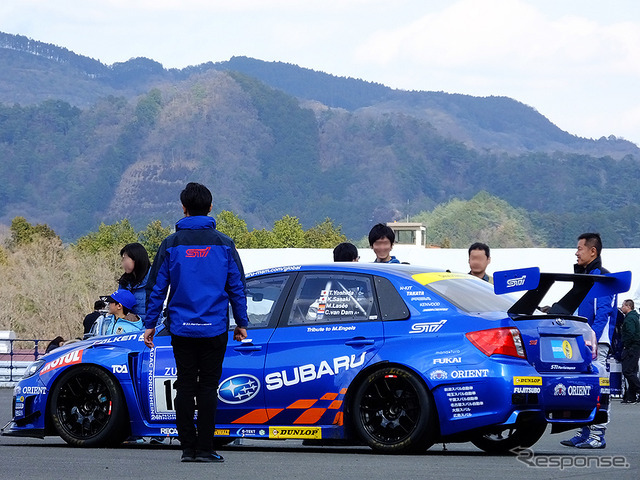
82 142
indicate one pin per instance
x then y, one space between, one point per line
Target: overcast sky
575 61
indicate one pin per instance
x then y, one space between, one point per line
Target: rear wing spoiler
538 284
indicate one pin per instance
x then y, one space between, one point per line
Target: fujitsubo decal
70 358
526 389
295 432
238 389
309 372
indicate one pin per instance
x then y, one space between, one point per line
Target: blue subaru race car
396 357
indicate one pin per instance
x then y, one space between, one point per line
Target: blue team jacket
202 270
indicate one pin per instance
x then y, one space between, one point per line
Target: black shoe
208 457
188 455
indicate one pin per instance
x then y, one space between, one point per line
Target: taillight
499 341
592 343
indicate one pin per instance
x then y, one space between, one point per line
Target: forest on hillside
271 139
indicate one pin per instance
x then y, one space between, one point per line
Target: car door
329 330
241 388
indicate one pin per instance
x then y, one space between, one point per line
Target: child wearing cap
121 302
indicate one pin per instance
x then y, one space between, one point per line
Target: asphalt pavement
52 459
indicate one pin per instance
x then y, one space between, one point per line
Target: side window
262 298
333 298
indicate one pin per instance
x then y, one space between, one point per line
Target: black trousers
630 358
199 366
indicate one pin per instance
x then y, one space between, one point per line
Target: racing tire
507 439
87 408
393 412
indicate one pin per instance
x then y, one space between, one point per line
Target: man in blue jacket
202 271
602 313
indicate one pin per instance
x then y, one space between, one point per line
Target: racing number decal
162 379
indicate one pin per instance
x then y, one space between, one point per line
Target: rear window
466 292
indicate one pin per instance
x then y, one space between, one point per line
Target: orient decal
34 390
70 358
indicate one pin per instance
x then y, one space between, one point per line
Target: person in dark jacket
381 240
479 260
55 343
202 270
601 313
136 266
89 319
630 350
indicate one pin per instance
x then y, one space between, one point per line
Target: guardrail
14 361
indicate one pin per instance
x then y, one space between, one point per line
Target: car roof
383 269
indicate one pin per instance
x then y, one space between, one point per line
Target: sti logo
197 252
516 282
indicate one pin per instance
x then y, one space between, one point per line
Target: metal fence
15 357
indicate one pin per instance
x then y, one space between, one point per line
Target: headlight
33 368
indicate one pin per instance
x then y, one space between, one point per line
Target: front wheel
393 412
506 439
87 408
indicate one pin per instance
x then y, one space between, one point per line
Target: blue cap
124 297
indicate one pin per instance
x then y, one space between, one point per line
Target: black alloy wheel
87 408
393 412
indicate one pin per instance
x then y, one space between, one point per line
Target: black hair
480 246
196 198
380 231
629 303
141 264
99 305
345 252
592 240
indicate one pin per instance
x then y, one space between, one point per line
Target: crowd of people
201 271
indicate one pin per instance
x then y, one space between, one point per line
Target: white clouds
576 61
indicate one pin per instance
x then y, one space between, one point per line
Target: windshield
466 292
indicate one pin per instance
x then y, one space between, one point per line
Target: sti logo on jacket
197 252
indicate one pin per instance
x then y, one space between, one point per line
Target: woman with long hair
136 266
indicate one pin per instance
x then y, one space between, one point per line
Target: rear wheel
506 439
87 408
393 412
